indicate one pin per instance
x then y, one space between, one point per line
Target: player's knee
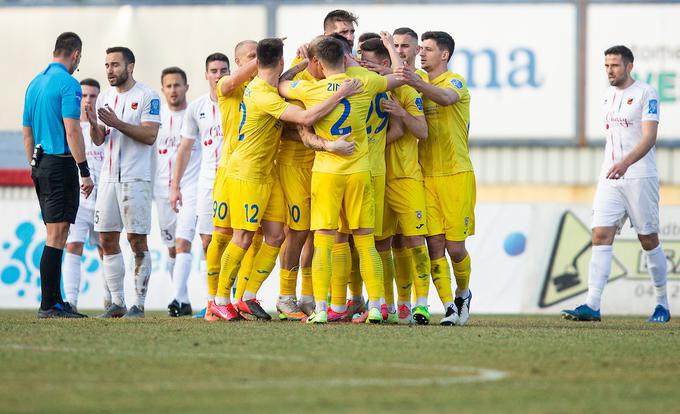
456 250
138 243
172 252
412 241
75 248
436 246
57 233
649 241
603 236
274 238
182 246
384 244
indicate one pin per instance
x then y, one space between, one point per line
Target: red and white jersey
93 153
202 123
126 160
624 112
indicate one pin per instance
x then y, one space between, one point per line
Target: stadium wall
527 258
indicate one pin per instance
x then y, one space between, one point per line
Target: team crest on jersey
653 106
201 115
419 103
134 106
294 84
629 101
457 83
419 214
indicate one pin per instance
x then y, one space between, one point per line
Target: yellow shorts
378 190
405 208
342 198
451 205
253 202
221 216
296 184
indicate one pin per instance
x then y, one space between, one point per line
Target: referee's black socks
50 277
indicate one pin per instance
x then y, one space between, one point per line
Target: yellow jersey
446 150
304 75
401 156
259 133
423 75
294 153
376 130
230 112
349 117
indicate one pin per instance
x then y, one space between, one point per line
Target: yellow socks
247 266
404 268
461 271
356 287
231 260
321 268
341 267
307 289
213 258
388 275
441 277
288 282
421 278
370 267
262 266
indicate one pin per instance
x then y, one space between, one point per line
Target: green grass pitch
496 364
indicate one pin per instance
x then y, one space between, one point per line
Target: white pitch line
470 374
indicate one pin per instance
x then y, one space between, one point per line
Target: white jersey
624 112
202 123
126 160
165 149
93 153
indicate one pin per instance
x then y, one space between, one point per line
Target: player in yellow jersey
341 190
229 96
449 177
404 195
255 197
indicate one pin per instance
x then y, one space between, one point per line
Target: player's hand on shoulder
350 87
87 186
393 108
341 146
406 74
380 69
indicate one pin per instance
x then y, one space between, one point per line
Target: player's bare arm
29 142
310 116
290 132
74 137
145 133
395 130
388 42
238 77
649 130
97 131
416 124
181 162
292 72
441 96
312 141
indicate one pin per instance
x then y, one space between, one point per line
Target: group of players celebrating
350 169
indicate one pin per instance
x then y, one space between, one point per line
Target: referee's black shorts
56 183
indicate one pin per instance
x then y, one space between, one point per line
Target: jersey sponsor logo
457 83
155 107
293 84
201 115
134 106
419 103
624 122
653 106
629 101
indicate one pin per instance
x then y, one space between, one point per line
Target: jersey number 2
337 128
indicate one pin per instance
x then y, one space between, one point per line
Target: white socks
656 265
248 295
339 308
600 267
170 266
320 306
142 275
114 275
181 276
70 273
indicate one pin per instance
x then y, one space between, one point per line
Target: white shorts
634 198
204 206
167 220
82 230
123 206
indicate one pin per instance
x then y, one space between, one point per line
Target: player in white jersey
82 230
202 129
177 228
628 185
129 117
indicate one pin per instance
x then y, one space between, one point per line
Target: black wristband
84 169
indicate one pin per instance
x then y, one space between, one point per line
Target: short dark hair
625 53
376 46
174 70
216 57
406 31
443 40
328 49
90 82
338 16
368 35
269 52
126 52
67 43
346 45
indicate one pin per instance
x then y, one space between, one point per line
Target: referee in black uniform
54 147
